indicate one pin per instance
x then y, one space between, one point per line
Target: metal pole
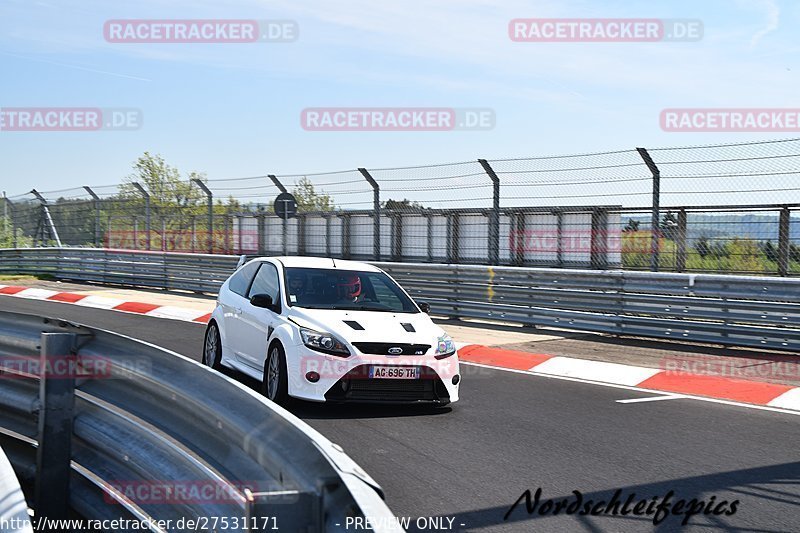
784 225
276 182
680 265
54 453
210 197
279 185
96 215
376 215
146 197
656 215
47 219
494 214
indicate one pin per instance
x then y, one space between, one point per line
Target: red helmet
349 286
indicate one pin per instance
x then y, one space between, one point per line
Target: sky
234 109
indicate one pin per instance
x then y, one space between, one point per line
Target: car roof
323 262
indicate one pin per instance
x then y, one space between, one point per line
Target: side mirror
425 307
262 300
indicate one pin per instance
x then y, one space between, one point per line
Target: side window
266 282
241 280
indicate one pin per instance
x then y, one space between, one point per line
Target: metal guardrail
730 310
154 434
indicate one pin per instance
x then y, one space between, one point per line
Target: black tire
212 347
274 384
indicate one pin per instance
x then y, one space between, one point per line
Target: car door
232 302
258 323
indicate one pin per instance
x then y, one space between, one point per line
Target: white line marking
652 399
627 387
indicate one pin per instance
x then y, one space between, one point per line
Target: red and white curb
114 304
629 376
639 377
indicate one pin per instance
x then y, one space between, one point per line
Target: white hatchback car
330 330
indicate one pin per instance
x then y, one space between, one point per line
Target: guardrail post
210 214
656 215
784 225
376 215
146 197
96 202
680 245
56 402
494 214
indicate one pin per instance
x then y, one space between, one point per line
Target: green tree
308 199
401 205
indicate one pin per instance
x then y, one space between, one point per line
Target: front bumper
347 379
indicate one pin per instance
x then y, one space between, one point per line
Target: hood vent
353 324
408 327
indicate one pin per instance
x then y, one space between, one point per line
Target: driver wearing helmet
348 287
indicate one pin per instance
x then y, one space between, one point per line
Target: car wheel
274 384
212 347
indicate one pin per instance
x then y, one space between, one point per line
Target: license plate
393 372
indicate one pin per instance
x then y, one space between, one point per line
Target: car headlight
323 342
445 347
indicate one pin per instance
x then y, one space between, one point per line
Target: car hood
378 327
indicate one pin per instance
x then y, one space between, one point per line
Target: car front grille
382 348
356 386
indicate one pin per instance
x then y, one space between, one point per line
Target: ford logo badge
395 351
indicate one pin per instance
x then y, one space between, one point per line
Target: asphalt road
513 432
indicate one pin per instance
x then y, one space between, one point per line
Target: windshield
320 288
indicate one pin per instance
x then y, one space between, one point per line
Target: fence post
494 214
210 214
598 253
429 235
46 219
285 222
680 261
376 215
345 236
54 452
96 201
784 241
146 197
9 206
656 215
397 236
